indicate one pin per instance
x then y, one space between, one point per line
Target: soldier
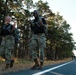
38 39
7 44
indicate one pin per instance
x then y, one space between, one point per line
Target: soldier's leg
41 56
8 61
2 48
2 52
7 58
33 45
9 47
42 46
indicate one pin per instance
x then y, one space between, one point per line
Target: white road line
42 72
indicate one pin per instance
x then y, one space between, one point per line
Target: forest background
59 41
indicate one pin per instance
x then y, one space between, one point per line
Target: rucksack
46 27
16 34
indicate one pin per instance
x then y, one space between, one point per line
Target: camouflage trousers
7 45
37 46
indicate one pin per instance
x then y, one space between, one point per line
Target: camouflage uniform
38 42
7 45
38 39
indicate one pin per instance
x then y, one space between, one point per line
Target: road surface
67 68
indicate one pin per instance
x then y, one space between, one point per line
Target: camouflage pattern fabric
7 45
37 44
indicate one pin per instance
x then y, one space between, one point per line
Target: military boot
40 66
36 64
11 63
6 67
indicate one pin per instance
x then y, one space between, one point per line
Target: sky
67 10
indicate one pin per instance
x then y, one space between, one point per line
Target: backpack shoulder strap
8 27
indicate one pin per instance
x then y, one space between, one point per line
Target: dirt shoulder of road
21 65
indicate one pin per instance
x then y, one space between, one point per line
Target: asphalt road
67 68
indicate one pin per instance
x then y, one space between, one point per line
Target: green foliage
59 42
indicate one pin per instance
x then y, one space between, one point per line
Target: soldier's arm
1 31
42 22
